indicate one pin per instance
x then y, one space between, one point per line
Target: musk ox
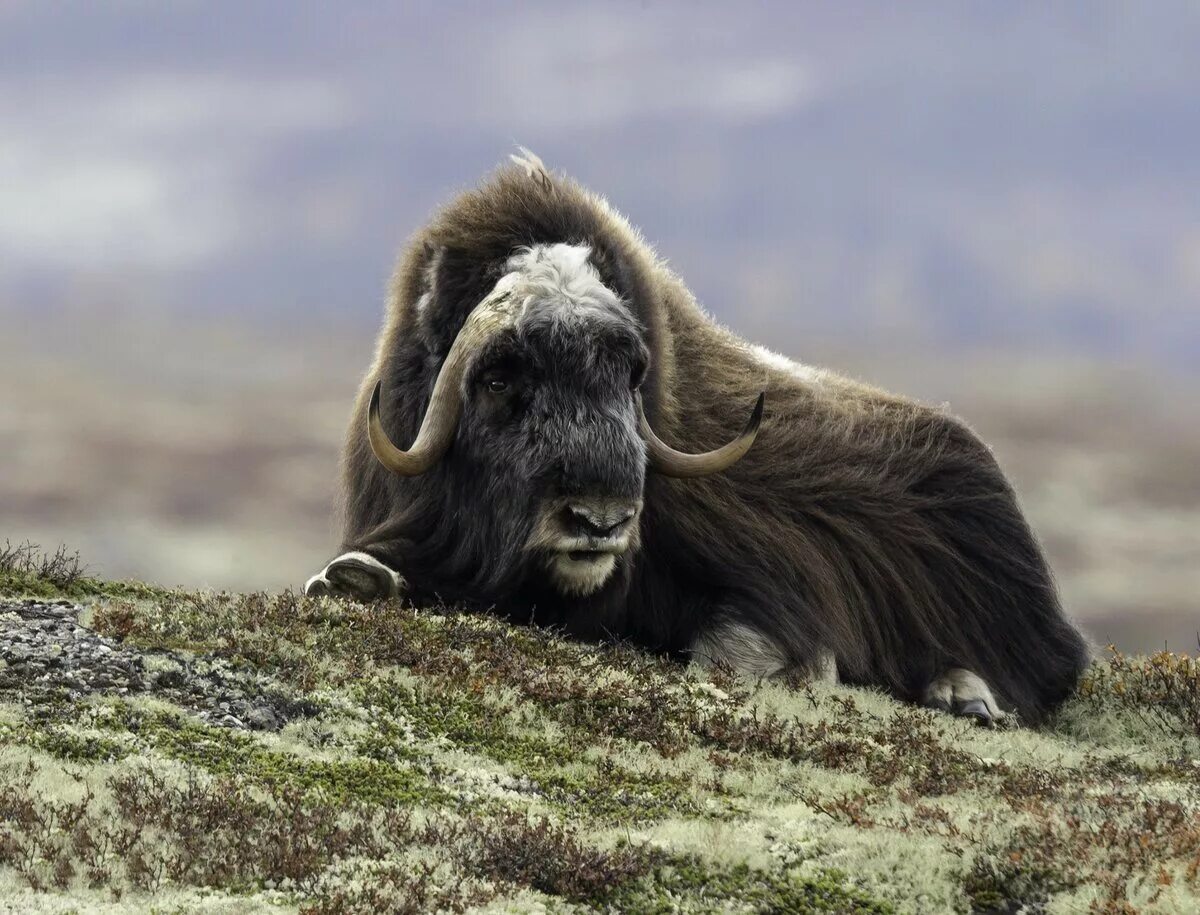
586 448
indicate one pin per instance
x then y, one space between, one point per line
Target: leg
742 647
356 575
747 650
963 693
824 669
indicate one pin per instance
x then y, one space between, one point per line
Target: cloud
55 209
581 67
147 170
727 91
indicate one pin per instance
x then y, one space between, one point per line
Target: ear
452 285
616 273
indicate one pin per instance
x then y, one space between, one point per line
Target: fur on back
861 525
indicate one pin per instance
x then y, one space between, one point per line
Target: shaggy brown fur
860 523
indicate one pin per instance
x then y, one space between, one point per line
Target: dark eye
497 386
637 376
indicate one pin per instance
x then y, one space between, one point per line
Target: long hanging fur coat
861 523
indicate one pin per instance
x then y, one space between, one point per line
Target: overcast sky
1013 174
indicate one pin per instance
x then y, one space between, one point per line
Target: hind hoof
976 709
962 693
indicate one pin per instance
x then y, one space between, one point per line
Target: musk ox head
537 407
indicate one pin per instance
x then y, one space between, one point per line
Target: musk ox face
550 420
538 396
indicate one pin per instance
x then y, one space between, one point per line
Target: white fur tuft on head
561 272
534 167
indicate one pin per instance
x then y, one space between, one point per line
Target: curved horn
445 404
666 460
437 432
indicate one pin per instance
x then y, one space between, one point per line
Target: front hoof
357 576
318 586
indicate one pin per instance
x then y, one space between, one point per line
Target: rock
43 643
262 719
165 679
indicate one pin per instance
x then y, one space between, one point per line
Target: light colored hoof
964 694
358 576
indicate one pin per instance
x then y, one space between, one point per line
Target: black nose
599 519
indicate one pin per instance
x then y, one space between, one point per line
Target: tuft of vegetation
27 571
741 888
55 572
451 761
550 859
1162 689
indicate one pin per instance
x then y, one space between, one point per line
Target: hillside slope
176 751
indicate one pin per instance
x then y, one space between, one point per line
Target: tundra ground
180 751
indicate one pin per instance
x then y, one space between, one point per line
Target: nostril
618 524
611 529
588 522
594 523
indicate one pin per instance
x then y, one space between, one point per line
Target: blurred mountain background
992 206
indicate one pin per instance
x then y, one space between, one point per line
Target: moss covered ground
453 762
